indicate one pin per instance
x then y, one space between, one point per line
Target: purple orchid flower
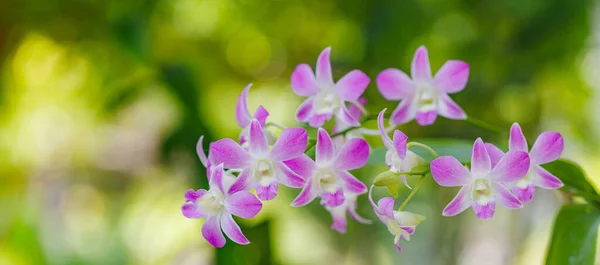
398 158
401 224
262 168
326 98
328 176
424 97
218 206
483 186
547 148
338 214
243 116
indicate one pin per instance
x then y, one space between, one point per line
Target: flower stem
412 193
484 125
424 146
274 124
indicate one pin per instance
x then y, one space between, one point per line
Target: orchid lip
264 171
426 97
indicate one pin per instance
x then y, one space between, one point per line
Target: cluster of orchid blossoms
245 173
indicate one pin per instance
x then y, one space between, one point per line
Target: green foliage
574 236
573 177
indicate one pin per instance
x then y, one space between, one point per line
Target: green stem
424 146
412 193
484 125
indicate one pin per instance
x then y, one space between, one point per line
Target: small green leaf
572 176
574 236
387 178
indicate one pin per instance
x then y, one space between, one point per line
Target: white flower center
328 182
326 102
212 202
264 172
481 191
426 97
397 164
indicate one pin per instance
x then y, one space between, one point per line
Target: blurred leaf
573 177
460 149
574 236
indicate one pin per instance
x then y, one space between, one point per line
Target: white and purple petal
516 140
547 148
267 192
232 229
303 81
481 163
325 150
291 144
243 204
452 77
505 198
323 72
399 141
426 118
242 114
449 109
353 154
387 142
211 230
258 140
405 112
459 204
449 172
394 84
484 210
351 183
352 85
307 195
230 153
420 69
511 167
546 180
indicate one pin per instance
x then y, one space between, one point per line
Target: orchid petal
200 152
449 172
449 109
394 84
354 154
303 81
420 69
242 115
305 109
355 111
211 230
191 195
258 140
346 117
325 151
318 120
232 229
307 195
484 211
228 152
242 182
339 220
516 140
243 204
546 180
426 118
261 114
547 148
512 167
385 206
384 136
291 144
216 178
452 77
302 165
267 192
524 194
505 198
351 183
459 204
400 143
324 68
333 199
495 153
405 112
352 85
288 177
192 211
481 163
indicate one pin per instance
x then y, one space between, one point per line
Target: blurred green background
102 103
